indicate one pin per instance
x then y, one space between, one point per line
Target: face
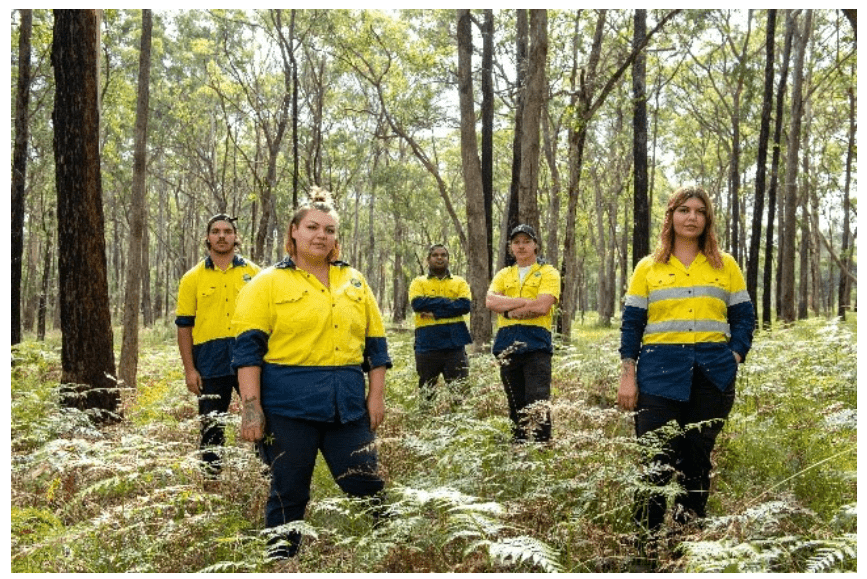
523 248
689 219
315 235
221 237
438 260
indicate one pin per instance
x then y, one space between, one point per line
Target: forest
428 126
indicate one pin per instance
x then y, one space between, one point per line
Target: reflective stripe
688 326
636 302
739 298
690 292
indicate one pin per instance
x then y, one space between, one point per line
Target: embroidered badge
355 282
247 277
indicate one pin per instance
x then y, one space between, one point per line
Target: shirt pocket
353 310
292 312
660 281
207 296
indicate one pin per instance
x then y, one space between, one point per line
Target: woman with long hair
687 325
309 329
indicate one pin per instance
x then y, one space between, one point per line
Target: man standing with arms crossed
440 301
206 304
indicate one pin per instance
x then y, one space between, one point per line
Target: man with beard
206 305
440 301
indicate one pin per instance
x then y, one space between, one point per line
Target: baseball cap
525 229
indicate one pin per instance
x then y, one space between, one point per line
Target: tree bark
19 166
787 262
844 286
640 205
769 293
528 206
762 160
488 129
477 248
87 355
132 301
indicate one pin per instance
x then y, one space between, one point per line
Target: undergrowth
460 496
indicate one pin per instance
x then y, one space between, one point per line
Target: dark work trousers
290 448
213 405
527 379
452 364
688 454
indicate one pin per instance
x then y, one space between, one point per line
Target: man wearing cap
440 301
206 304
524 296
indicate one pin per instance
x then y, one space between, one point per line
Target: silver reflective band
688 326
636 302
690 292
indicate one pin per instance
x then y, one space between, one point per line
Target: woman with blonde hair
308 330
687 325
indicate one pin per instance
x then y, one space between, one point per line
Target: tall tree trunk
44 288
550 134
787 262
19 166
87 355
477 250
132 300
735 174
488 129
400 296
640 205
843 288
769 293
511 218
762 160
147 304
528 206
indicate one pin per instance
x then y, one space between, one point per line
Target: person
524 296
206 303
687 324
308 329
440 301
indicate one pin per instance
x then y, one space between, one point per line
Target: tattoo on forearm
251 414
627 365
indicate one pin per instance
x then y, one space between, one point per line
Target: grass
461 498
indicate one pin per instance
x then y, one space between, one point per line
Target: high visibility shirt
449 300
532 334
676 317
313 343
206 302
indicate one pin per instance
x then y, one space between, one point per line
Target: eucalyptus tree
87 355
19 166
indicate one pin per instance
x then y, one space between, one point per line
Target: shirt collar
237 261
287 263
447 275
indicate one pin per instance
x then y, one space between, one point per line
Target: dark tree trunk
87 355
640 205
488 129
844 287
19 167
762 160
768 294
521 42
132 298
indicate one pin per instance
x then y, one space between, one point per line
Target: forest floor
460 496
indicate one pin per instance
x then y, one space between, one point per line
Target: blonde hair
319 199
707 242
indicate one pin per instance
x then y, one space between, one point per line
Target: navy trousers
452 364
527 379
290 448
213 405
688 454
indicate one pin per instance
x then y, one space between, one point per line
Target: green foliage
460 497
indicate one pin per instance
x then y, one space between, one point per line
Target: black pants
687 454
527 380
213 403
452 364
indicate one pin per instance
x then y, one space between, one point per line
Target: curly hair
707 242
319 199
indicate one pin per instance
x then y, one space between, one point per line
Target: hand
194 382
376 411
737 357
427 315
627 394
252 420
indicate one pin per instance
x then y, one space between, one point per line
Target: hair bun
320 195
